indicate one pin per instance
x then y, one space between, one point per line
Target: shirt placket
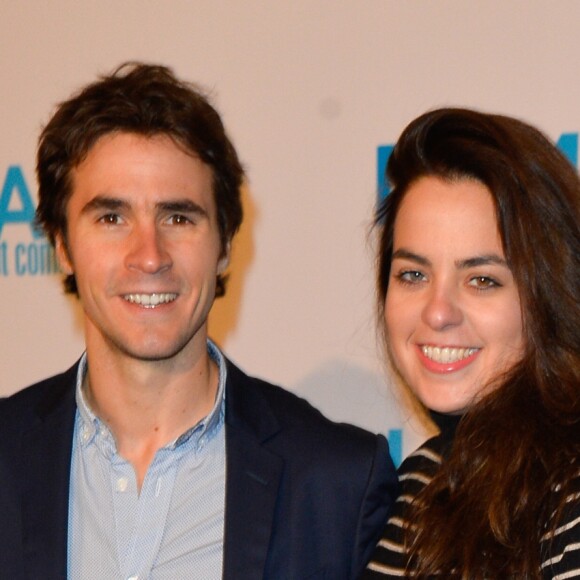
141 517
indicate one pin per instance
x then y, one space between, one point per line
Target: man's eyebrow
102 202
182 206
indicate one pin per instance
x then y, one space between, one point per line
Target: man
154 456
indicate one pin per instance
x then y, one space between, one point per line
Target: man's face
144 246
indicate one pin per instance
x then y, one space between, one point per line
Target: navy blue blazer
306 498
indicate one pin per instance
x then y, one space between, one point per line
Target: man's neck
148 404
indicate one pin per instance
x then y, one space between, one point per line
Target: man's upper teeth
150 299
447 354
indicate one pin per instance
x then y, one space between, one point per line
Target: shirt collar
205 429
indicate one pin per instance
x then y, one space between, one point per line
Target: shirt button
133 578
84 433
122 484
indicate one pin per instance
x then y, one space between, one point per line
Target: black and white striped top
389 559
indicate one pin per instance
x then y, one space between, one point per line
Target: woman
479 287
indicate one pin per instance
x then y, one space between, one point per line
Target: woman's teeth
447 354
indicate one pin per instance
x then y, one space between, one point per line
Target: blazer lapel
46 453
253 478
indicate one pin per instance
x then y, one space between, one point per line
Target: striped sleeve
562 546
389 559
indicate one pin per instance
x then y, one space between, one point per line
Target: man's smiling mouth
150 300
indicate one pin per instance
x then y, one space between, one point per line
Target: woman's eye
483 282
410 276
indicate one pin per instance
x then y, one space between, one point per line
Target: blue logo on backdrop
395 439
567 143
30 254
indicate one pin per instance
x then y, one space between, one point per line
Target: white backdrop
308 90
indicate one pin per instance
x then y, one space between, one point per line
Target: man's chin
153 352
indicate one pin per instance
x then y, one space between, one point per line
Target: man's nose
147 250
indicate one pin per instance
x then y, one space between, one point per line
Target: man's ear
224 261
62 255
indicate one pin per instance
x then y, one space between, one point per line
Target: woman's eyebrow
484 260
405 254
472 262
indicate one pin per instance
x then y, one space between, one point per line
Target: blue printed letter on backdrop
14 183
568 145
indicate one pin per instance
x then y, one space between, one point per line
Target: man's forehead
131 168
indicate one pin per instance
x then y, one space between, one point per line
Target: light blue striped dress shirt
174 528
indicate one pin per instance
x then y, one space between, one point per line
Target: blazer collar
253 478
46 453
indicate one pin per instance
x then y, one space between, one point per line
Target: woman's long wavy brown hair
505 481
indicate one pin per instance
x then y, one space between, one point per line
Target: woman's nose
442 308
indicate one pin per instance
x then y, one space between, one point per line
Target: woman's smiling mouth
446 359
447 354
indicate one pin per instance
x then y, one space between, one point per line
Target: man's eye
110 219
179 220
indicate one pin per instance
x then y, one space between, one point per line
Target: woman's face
452 309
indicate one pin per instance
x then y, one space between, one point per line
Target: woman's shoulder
390 557
425 460
429 456
561 545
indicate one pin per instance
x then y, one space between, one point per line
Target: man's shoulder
40 397
295 415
